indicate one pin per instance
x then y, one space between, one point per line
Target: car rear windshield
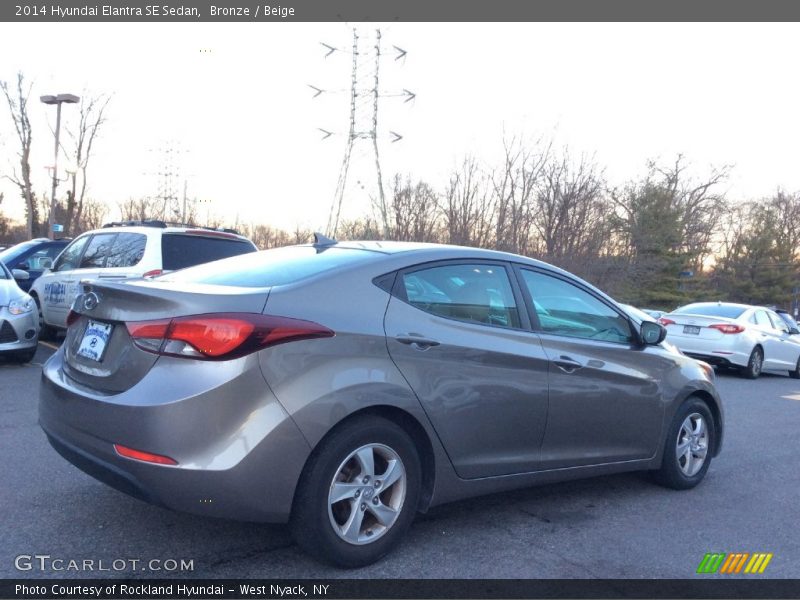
179 251
712 310
272 267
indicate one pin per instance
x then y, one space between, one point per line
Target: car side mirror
793 330
653 333
45 263
21 275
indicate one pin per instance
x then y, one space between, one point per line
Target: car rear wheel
688 447
358 493
755 364
795 374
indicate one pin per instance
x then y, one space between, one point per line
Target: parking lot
612 527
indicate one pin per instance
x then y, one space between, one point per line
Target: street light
58 101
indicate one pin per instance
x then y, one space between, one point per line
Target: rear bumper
239 454
714 352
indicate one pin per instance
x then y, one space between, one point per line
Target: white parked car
748 338
122 251
19 327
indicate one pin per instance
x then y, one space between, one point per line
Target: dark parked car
345 386
33 257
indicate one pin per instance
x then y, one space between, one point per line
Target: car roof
147 230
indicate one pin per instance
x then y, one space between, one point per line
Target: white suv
128 250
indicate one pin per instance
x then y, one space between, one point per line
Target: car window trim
398 289
635 341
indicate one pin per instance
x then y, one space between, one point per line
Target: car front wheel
358 493
688 447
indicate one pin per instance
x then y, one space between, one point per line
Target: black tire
671 474
25 356
45 331
312 521
796 373
755 364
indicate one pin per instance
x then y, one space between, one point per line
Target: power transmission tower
363 134
167 175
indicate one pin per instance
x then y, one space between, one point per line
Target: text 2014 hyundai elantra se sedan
345 386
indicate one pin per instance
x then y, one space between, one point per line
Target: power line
365 95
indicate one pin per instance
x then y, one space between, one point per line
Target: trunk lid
118 364
696 326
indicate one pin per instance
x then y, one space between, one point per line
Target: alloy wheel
367 493
692 444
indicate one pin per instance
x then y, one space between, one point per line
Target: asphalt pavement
610 527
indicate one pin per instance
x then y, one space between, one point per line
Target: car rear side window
279 266
479 293
127 250
762 319
565 309
179 251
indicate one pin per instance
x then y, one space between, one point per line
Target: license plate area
95 340
691 329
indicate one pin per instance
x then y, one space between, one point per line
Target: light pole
58 101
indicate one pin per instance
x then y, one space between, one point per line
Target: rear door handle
417 341
567 364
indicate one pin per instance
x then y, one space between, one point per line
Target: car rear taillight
72 316
220 336
153 273
664 321
727 327
144 456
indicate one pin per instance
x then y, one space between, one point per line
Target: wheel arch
413 429
716 413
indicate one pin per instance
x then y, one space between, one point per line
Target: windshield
9 255
727 311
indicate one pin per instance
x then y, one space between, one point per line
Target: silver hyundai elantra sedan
342 387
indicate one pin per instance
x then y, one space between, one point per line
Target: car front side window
68 259
563 308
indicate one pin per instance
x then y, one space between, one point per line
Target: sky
232 99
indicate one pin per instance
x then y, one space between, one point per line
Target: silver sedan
343 387
747 338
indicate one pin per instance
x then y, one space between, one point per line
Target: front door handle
416 341
567 364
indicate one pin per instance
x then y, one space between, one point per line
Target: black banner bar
118 589
402 10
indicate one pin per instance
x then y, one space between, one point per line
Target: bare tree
91 119
468 206
137 209
571 213
415 211
514 187
18 107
